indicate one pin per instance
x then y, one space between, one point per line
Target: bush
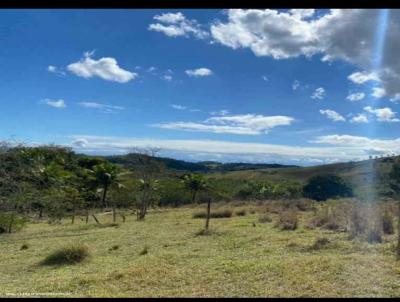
225 213
320 243
16 222
67 255
374 235
288 221
24 246
241 212
144 251
322 187
387 223
264 218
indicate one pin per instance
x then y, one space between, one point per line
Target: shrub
320 243
287 221
144 251
114 247
387 223
241 212
24 246
224 213
322 187
303 205
71 254
374 235
264 218
16 222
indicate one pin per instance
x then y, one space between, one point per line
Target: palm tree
106 175
194 183
147 187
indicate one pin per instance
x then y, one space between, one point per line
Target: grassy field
239 258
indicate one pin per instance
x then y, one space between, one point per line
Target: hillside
205 166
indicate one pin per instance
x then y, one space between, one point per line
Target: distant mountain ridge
204 166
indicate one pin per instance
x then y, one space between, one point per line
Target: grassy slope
356 173
236 260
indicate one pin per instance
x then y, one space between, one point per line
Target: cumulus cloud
339 34
359 118
246 124
199 72
378 92
105 68
358 96
360 77
333 115
60 104
100 106
176 24
383 114
318 94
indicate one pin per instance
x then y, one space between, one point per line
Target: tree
106 175
147 169
322 187
194 183
395 186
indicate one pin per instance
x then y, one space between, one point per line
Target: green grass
236 259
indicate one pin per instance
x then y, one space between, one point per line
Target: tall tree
194 183
106 175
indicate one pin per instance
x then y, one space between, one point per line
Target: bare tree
148 169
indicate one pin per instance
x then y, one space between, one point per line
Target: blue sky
298 87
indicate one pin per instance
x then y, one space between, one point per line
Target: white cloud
378 92
383 114
175 25
319 94
54 69
295 85
358 96
105 68
333 115
51 68
170 18
60 104
360 118
167 77
338 34
178 107
199 72
364 144
395 98
302 13
361 77
246 124
220 112
338 148
100 106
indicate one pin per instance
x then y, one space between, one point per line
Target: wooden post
208 213
95 218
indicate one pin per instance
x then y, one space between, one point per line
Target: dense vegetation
54 182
